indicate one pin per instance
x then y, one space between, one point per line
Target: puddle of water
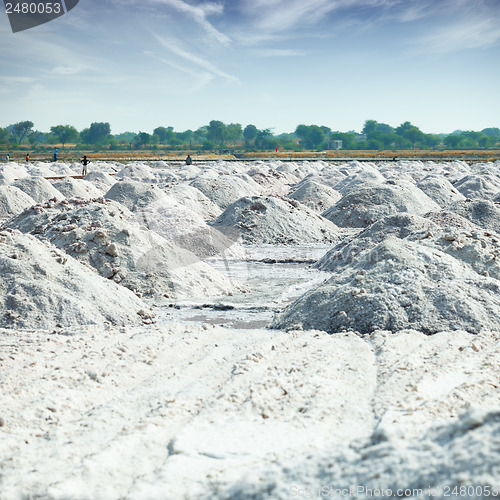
273 276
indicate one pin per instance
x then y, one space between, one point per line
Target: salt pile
6 178
38 188
194 200
76 188
13 201
479 187
43 287
359 175
226 189
134 195
363 206
399 285
272 182
440 190
484 213
443 231
319 197
100 180
187 229
103 235
262 219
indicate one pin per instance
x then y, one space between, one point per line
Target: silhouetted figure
189 160
27 157
85 162
7 158
55 154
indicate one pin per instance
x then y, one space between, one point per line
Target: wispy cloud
469 34
199 14
201 78
175 47
278 53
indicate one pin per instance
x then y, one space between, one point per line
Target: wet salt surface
273 276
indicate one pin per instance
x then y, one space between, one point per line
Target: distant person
55 154
189 160
7 158
85 162
27 157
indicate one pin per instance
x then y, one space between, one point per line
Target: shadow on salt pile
399 285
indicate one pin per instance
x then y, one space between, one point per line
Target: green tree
491 132
21 129
403 128
98 132
141 139
265 139
234 132
217 132
65 133
164 133
186 137
369 128
413 134
311 135
453 140
4 135
250 133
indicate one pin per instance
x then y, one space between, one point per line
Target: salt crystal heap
102 234
43 287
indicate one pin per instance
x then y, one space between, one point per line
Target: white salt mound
454 235
38 188
187 229
362 207
272 181
440 190
399 285
317 196
358 175
100 180
43 287
13 201
479 187
77 188
226 189
485 214
262 219
134 195
195 200
6 178
102 235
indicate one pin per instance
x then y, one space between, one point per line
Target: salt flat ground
190 409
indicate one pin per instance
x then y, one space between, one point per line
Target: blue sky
139 64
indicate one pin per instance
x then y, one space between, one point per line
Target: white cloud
278 53
199 14
471 34
199 79
174 46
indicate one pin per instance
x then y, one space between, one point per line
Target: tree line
219 135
